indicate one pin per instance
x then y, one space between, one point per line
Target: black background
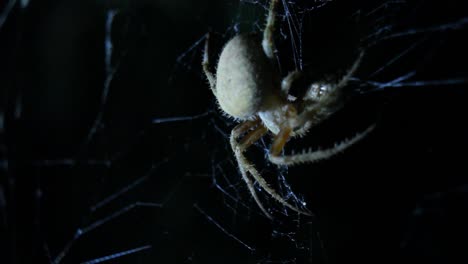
400 195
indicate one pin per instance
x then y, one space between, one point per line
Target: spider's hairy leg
280 140
313 156
287 81
241 161
329 102
268 43
247 167
206 65
351 71
256 175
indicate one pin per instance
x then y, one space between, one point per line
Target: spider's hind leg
268 43
206 65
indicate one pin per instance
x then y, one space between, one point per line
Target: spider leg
206 65
242 162
351 71
321 107
256 175
280 140
246 166
287 82
268 43
317 155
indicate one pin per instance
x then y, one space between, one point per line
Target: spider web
112 148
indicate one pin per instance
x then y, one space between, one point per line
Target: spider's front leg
246 167
351 71
310 156
320 109
287 82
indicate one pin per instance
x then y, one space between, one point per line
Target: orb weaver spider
248 88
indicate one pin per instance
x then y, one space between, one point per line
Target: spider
248 88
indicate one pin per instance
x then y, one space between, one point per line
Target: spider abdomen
244 79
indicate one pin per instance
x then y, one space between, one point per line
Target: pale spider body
245 79
247 84
248 87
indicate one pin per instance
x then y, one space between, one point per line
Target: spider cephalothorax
248 87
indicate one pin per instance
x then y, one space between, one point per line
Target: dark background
69 141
